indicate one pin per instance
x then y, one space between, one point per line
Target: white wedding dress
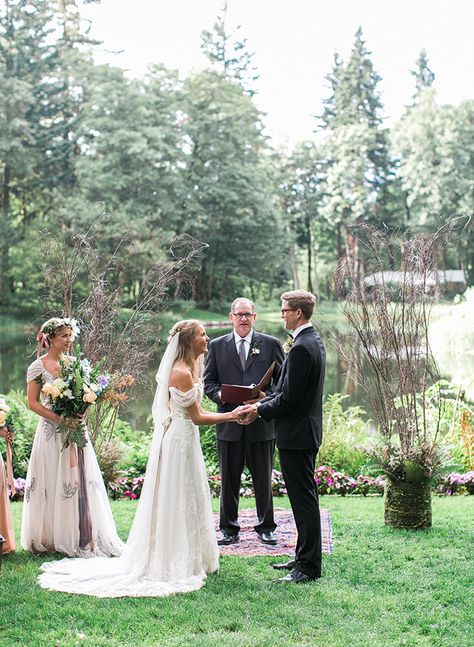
66 508
172 544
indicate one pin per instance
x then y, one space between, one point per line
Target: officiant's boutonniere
288 344
254 351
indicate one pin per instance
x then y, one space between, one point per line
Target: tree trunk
310 256
5 281
293 260
407 505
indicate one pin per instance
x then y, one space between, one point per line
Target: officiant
241 358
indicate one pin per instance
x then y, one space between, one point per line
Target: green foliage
208 436
344 435
25 423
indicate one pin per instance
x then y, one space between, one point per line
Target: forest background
144 160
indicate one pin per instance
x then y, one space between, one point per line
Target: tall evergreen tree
424 76
230 203
358 163
229 53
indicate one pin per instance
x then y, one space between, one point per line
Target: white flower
4 406
68 394
255 351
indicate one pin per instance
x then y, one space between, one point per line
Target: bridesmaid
6 529
66 508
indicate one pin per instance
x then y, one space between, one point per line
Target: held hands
244 414
248 413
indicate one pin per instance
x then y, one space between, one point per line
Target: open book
236 394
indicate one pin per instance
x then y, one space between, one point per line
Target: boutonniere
288 344
254 351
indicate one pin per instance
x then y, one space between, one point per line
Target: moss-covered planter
407 505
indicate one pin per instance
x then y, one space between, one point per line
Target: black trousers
297 466
258 456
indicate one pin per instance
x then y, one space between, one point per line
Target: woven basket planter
407 505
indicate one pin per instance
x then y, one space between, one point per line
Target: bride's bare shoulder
181 377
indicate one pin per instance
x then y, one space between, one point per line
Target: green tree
229 53
230 203
358 165
301 195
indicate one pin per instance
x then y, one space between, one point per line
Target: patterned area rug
251 546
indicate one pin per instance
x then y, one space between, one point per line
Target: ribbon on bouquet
10 479
73 462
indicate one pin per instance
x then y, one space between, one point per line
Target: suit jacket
223 367
297 404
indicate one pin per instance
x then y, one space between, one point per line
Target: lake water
18 350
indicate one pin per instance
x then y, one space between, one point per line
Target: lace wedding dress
66 508
172 544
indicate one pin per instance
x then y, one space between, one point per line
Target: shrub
208 435
25 423
344 434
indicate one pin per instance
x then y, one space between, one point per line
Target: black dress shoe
267 537
297 577
227 539
286 566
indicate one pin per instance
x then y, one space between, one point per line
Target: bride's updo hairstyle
187 330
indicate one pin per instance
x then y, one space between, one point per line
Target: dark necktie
243 359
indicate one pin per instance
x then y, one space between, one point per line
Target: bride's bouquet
6 419
77 387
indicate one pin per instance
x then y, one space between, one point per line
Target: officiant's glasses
243 315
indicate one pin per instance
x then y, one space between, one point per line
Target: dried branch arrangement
126 337
386 296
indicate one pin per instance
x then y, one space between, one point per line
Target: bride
172 544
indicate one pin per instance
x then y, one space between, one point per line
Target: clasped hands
246 413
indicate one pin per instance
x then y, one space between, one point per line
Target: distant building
450 281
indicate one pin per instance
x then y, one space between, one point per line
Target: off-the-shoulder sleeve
184 398
34 369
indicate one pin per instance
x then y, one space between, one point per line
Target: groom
296 407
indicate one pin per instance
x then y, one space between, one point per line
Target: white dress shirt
238 339
297 331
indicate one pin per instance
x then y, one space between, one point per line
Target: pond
18 349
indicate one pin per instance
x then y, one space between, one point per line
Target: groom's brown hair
302 300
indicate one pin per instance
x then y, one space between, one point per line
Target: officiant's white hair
235 301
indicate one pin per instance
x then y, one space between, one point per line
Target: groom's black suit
237 444
296 407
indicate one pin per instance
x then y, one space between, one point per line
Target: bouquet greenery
78 386
6 419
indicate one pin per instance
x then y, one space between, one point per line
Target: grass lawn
380 588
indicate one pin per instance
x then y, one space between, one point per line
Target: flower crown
49 328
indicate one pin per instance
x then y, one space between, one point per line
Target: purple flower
103 381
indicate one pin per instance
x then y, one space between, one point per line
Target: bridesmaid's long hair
187 329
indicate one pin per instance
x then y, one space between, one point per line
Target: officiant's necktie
242 357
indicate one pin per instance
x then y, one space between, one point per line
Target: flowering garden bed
329 481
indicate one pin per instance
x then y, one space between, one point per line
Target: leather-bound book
237 394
